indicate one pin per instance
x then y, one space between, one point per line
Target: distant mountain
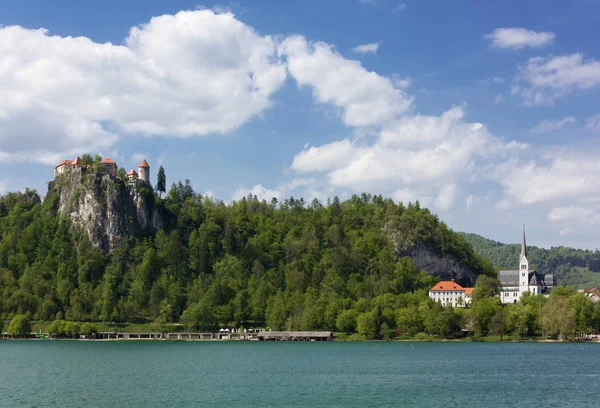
571 266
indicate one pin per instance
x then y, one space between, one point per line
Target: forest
288 264
567 264
249 263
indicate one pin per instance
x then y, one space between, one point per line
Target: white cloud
499 99
469 201
547 126
554 182
370 48
399 7
267 194
575 214
365 98
593 122
446 197
517 38
545 79
193 73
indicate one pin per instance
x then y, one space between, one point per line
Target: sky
488 113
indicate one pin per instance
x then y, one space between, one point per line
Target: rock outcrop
428 258
106 209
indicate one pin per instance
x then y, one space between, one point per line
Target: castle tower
523 266
144 171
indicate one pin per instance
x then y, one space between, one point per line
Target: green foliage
19 326
122 173
568 265
250 263
161 181
89 329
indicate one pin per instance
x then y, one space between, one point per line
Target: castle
109 168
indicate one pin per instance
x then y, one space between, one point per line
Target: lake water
335 374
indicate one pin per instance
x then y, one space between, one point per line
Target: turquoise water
193 374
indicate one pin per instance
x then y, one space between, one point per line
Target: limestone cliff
104 208
434 261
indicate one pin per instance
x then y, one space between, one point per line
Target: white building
451 293
513 283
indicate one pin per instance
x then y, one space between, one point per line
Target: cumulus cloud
189 74
370 48
575 214
545 79
547 126
446 197
267 194
517 38
364 98
549 182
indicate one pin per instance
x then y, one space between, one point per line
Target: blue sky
486 113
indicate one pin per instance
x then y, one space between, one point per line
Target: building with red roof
451 293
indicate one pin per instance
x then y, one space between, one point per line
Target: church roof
144 164
447 285
524 244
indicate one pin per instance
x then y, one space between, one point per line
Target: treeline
289 264
561 261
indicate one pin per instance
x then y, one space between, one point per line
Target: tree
19 326
97 158
122 173
87 159
409 320
498 324
367 324
161 180
558 317
346 321
89 329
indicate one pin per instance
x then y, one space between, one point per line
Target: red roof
144 164
62 163
108 160
132 173
447 285
76 161
469 291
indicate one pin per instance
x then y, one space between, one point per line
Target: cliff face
105 209
427 258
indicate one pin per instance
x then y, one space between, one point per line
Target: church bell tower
523 267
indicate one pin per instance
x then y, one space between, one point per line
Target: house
451 293
593 294
514 283
109 167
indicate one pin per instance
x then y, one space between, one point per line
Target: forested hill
292 264
568 264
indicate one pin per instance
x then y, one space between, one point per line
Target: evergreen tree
161 181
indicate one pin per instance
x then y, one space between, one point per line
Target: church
513 283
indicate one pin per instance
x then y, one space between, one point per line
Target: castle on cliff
108 167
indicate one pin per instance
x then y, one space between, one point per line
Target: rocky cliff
427 256
104 208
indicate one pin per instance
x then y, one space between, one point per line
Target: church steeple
524 244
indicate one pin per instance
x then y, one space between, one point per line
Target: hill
85 253
571 266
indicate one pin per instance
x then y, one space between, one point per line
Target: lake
273 374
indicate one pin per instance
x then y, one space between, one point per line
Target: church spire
524 244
